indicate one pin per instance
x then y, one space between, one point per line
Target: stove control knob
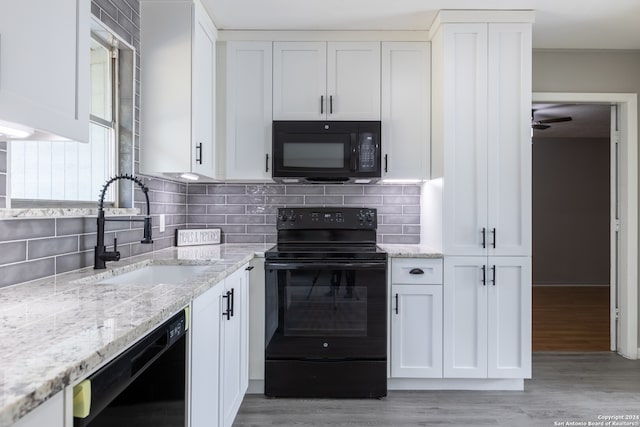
292 218
282 218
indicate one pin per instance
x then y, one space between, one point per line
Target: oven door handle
323 265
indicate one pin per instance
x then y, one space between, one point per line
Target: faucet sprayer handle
147 231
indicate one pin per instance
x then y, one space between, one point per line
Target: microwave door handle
354 152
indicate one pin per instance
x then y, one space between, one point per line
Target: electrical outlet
162 225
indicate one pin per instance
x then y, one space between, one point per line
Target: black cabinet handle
266 165
233 303
416 271
330 104
493 275
227 312
386 163
396 303
484 275
199 153
484 237
494 238
321 104
249 268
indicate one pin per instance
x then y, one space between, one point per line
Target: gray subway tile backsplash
26 271
42 248
13 252
24 229
250 210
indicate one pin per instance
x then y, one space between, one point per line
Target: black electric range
326 297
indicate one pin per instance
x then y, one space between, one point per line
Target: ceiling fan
542 124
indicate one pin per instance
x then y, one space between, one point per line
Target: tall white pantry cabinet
478 204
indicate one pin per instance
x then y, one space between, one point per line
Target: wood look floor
576 387
570 318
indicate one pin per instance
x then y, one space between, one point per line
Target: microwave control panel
368 152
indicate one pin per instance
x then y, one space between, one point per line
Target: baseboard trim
454 384
256 387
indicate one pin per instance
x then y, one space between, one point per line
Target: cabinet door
509 321
299 80
35 35
465 317
205 357
465 138
416 331
406 112
234 347
203 125
248 111
50 414
509 155
353 81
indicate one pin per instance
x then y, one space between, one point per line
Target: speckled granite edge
34 371
410 251
62 212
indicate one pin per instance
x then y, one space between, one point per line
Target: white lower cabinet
219 352
416 318
487 317
234 343
205 357
50 414
416 330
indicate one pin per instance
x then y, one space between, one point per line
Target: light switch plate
162 224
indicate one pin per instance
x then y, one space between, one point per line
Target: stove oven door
326 310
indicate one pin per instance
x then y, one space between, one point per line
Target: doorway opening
572 197
623 236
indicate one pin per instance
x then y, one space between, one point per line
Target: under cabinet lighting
12 130
402 181
190 176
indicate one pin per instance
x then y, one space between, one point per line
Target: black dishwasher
143 386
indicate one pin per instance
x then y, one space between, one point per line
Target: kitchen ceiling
559 24
587 120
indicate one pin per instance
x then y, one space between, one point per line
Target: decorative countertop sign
199 236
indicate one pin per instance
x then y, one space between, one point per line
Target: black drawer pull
249 268
416 271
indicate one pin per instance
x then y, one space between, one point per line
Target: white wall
587 71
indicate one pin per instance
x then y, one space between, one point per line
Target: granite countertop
55 331
410 251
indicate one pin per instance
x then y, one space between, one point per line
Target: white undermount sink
156 274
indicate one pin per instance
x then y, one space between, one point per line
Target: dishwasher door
143 386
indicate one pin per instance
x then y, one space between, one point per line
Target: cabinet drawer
425 271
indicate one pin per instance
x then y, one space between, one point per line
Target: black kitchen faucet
101 255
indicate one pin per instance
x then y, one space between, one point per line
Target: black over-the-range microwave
326 151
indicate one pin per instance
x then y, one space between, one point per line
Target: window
70 173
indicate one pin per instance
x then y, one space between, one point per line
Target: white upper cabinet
44 66
332 81
178 94
406 110
481 141
246 101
